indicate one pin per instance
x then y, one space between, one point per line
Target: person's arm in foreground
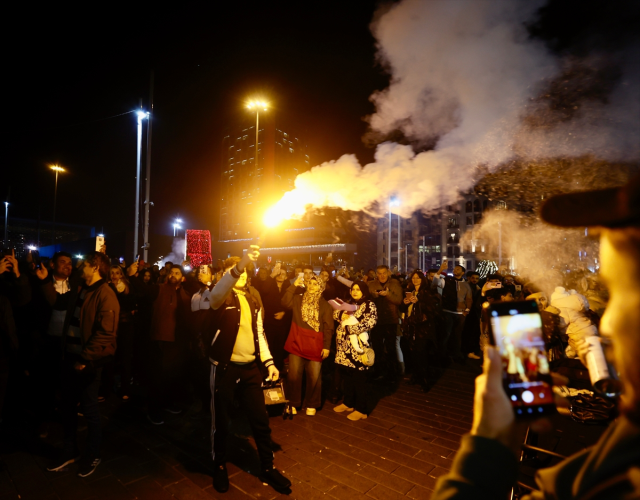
485 466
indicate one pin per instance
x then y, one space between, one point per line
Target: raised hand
41 272
251 256
133 269
11 259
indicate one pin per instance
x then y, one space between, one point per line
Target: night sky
69 69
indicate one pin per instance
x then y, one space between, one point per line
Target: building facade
422 241
249 187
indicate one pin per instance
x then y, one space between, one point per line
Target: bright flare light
32 248
56 168
274 216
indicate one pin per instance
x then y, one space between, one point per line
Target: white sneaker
311 412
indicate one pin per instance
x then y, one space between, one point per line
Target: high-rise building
250 187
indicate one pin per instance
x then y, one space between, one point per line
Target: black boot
220 478
273 477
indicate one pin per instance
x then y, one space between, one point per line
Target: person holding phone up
238 352
486 464
386 293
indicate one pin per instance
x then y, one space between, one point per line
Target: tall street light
177 227
256 105
57 169
393 202
6 219
136 230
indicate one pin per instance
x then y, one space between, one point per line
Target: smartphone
408 295
518 288
301 276
35 255
516 330
203 269
494 284
99 243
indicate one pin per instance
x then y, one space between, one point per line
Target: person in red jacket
309 340
169 334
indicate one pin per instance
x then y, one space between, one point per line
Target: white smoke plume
541 253
178 252
465 75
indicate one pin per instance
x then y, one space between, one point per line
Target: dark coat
171 310
485 468
388 313
98 321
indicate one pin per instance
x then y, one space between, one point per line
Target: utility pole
136 227
147 198
399 225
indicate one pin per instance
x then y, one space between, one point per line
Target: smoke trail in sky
177 254
467 83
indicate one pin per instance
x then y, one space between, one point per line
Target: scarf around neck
311 305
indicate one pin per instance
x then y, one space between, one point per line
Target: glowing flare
274 216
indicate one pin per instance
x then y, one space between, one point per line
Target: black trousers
167 381
81 387
122 363
244 383
356 389
277 333
383 341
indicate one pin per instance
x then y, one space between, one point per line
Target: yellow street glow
57 168
257 104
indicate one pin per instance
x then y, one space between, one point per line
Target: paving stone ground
397 453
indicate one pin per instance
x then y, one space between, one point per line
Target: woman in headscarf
308 341
351 337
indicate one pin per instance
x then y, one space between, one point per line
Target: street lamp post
136 228
177 227
406 257
57 169
399 228
6 219
392 202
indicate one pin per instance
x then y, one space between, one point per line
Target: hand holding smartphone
516 331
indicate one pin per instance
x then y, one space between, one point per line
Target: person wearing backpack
457 299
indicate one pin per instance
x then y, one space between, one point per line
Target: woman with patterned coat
352 334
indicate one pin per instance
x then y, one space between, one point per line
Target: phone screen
408 294
516 328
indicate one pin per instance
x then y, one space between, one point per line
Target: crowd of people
74 334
